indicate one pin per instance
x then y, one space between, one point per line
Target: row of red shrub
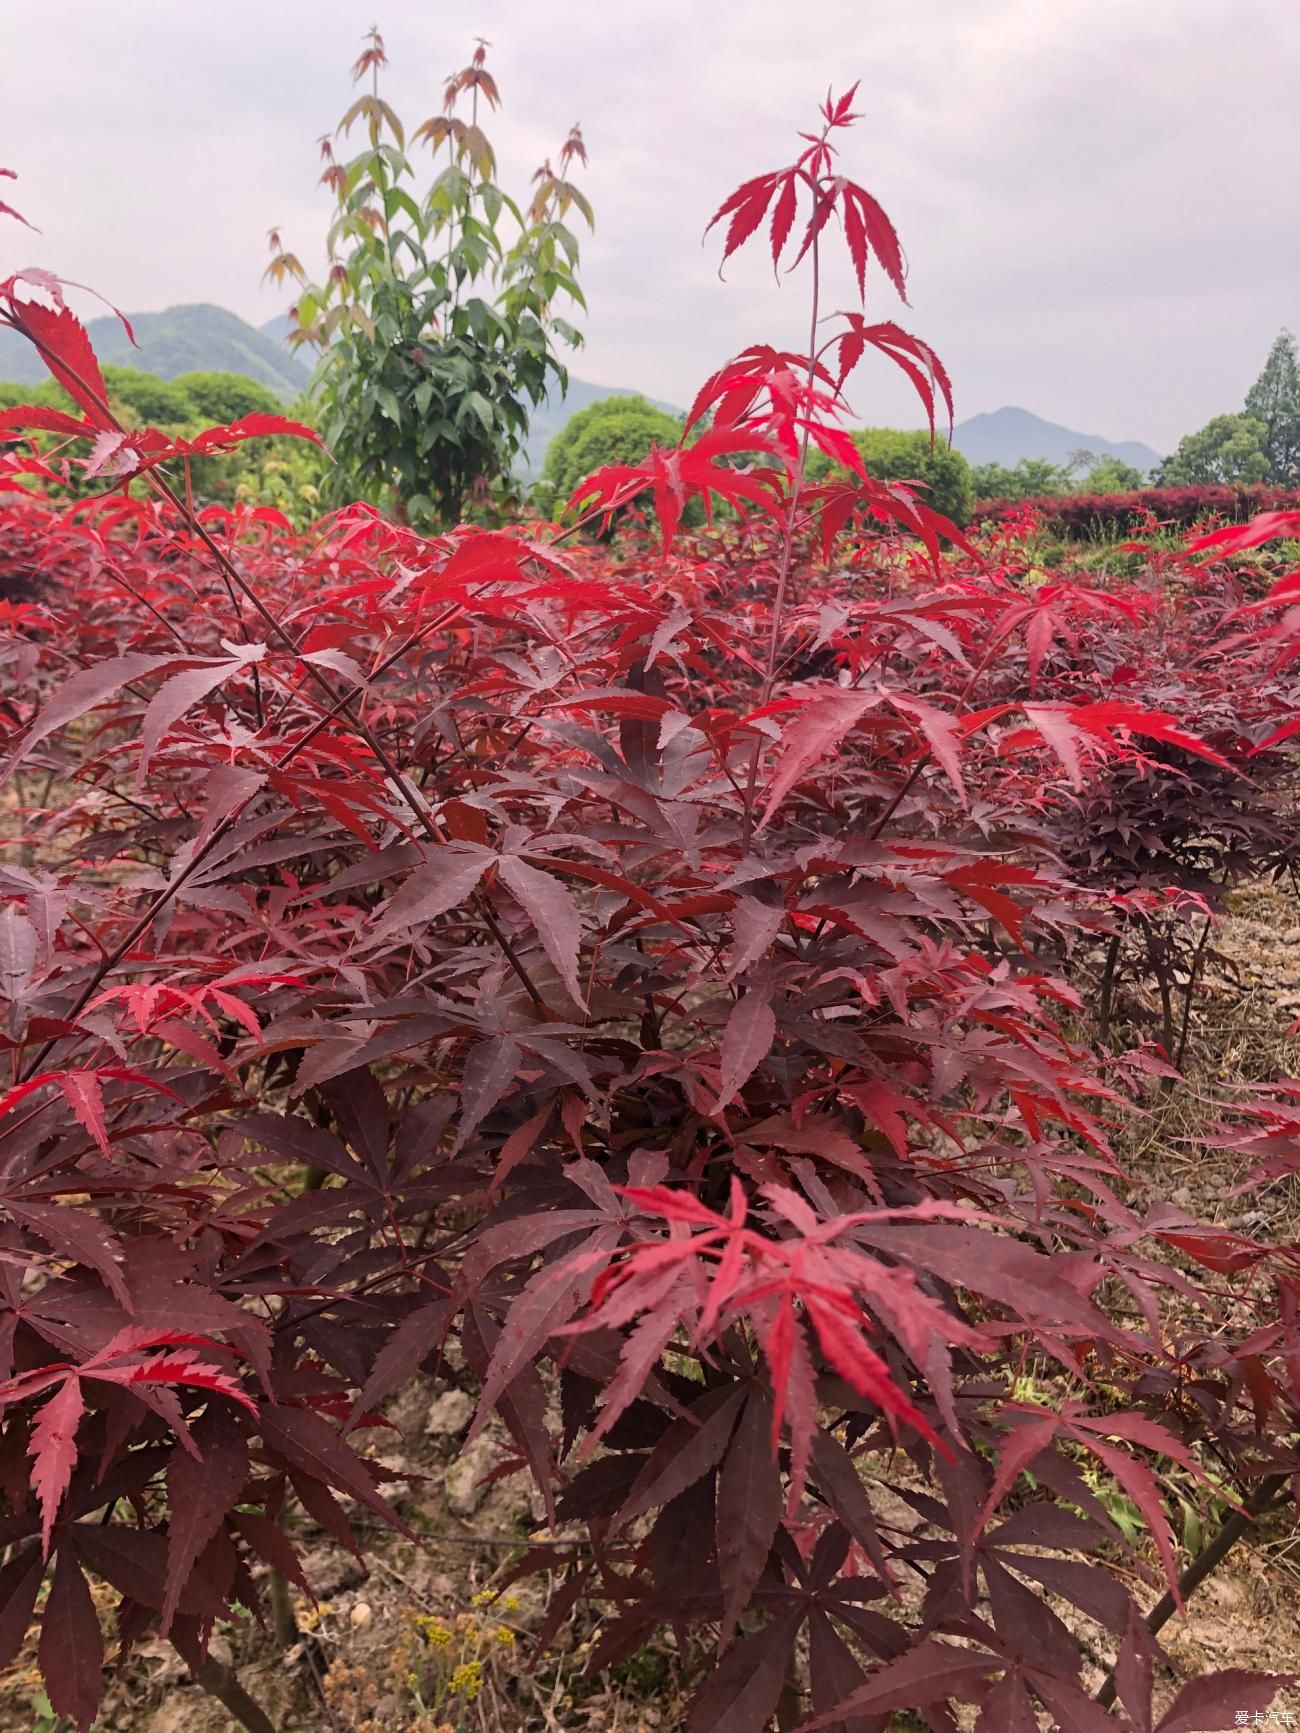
1086 515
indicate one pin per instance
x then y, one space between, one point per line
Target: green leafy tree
1030 478
13 393
1102 472
140 399
1229 450
191 399
891 455
220 398
436 321
1110 474
156 402
1274 400
284 473
611 430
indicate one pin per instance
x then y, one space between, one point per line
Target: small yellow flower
511 1603
436 1635
505 1638
467 1680
484 1598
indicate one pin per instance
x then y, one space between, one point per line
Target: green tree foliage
891 455
190 400
1230 449
283 473
436 321
1036 477
1030 478
1109 474
220 398
611 430
14 392
1274 400
152 401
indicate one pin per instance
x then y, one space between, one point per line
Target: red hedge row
1085 515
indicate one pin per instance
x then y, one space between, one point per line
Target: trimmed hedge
1088 516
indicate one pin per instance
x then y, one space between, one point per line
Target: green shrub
611 430
153 401
191 399
12 393
1030 478
891 455
138 398
280 472
1110 474
1229 451
220 398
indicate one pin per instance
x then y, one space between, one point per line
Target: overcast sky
1098 198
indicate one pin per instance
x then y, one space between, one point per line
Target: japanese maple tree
488 938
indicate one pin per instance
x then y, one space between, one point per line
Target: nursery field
681 1114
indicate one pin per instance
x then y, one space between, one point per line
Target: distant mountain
199 336
178 340
1007 435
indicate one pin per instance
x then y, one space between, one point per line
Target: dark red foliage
476 939
1169 831
1085 515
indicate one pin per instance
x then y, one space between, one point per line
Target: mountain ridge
194 336
1006 435
198 335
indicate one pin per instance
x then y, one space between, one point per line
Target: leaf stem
787 554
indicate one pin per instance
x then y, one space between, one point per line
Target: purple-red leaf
82 692
71 1649
748 1509
445 879
741 1693
689 1449
1217 1701
746 1041
53 1450
554 914
200 1491
932 1672
177 695
813 736
20 1580
310 1445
